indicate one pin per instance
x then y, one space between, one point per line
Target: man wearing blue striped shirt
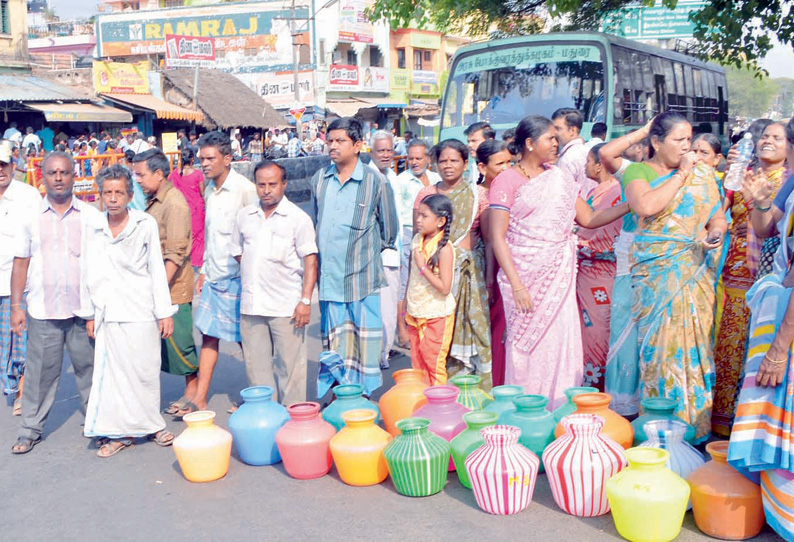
356 221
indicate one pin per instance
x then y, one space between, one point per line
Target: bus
610 79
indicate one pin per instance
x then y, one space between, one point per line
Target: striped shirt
356 221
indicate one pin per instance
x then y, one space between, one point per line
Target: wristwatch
306 301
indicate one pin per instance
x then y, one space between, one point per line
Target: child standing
430 302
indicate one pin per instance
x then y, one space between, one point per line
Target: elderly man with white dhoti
127 282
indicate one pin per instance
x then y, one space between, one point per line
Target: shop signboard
260 30
424 82
189 51
121 78
425 41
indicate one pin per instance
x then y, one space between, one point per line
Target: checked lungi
218 313
12 348
355 332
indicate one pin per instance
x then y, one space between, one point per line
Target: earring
529 149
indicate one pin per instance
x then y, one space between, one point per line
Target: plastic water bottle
735 176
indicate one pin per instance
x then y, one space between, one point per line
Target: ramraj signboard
262 27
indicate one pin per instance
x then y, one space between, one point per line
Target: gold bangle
516 290
774 361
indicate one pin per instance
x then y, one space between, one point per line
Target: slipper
164 438
98 442
176 406
187 408
17 407
113 447
232 409
24 445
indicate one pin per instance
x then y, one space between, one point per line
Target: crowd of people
541 260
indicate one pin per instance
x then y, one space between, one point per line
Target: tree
750 96
735 32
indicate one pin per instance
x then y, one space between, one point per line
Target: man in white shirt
218 313
409 183
572 155
30 139
598 135
382 153
18 201
274 241
49 259
281 138
12 134
139 145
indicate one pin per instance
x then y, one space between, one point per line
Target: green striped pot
471 395
417 459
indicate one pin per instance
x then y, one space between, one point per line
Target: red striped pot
502 472
579 463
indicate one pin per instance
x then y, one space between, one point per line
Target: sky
778 62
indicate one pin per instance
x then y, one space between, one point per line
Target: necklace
524 171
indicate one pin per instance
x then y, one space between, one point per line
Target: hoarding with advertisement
121 78
354 26
250 34
344 77
424 82
189 51
279 89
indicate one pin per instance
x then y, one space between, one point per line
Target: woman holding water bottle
680 222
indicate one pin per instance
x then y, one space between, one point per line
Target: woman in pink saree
533 208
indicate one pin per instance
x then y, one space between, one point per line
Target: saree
734 317
470 351
763 253
673 278
594 284
543 345
762 437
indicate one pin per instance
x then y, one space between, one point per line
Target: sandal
114 446
24 445
98 442
188 408
17 407
164 438
176 406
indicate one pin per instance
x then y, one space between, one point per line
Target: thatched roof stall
225 100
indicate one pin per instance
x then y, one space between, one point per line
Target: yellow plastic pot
648 500
203 449
357 449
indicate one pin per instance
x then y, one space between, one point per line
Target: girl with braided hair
430 301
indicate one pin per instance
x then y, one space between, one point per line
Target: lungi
218 313
179 350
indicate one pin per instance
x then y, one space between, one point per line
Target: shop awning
81 112
161 108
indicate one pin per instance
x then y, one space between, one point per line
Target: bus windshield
503 85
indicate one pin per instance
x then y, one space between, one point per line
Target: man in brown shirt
168 206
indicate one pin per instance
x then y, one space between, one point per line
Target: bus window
680 89
690 91
648 99
623 85
669 82
510 83
700 105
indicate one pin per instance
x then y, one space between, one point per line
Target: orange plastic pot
616 426
203 450
403 398
357 449
725 504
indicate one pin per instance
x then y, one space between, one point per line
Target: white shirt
408 187
30 247
12 134
573 159
237 149
272 250
281 139
390 257
31 138
222 206
139 146
592 142
126 276
19 202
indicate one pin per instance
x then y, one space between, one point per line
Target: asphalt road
62 491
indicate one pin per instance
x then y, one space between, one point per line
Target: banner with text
189 51
121 78
279 89
354 26
345 77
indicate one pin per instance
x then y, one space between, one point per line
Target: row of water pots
497 446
